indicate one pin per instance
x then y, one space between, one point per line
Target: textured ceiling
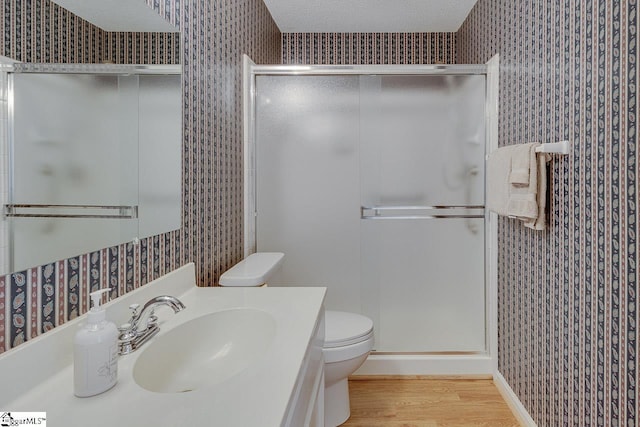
118 15
369 15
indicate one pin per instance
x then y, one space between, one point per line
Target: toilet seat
343 329
347 352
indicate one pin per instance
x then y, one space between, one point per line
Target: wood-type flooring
427 403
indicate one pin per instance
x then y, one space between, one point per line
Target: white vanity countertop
258 396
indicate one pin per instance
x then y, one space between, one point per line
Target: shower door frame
482 364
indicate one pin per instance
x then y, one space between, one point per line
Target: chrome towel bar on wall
421 212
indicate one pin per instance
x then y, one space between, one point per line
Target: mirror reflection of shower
52 155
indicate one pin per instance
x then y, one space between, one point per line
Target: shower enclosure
371 180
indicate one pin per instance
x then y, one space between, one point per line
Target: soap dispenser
95 355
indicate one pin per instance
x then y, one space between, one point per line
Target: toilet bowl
348 341
348 336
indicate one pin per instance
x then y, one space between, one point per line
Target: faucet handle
152 320
126 332
134 309
124 327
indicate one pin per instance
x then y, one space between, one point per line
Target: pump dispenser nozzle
96 314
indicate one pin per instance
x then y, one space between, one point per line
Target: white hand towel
522 197
520 163
524 201
540 223
498 186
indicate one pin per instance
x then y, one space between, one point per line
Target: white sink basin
204 351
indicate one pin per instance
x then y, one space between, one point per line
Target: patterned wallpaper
169 9
368 48
38 299
568 319
141 48
214 35
42 31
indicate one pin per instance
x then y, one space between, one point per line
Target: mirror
94 158
142 177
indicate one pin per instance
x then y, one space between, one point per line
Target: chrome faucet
137 331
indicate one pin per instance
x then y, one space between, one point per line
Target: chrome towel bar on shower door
70 211
421 212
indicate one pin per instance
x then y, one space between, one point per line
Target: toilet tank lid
342 328
254 270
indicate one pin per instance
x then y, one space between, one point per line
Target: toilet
347 343
348 336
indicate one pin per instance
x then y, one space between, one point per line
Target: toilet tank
254 270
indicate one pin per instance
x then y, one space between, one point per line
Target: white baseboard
399 364
519 411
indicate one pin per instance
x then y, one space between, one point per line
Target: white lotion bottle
95 353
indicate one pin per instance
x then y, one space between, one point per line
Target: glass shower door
373 186
422 147
307 182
